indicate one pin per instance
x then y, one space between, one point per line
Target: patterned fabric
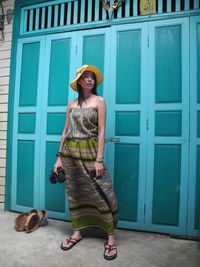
83 123
92 201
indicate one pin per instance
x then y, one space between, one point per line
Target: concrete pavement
135 248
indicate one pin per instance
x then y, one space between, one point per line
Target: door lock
114 139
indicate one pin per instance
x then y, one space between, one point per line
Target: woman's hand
57 164
99 168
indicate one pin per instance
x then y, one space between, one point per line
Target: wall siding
5 52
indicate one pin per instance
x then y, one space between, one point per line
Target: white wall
5 51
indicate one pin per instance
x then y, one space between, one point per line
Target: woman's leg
76 235
111 241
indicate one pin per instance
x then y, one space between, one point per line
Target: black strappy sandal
109 247
70 240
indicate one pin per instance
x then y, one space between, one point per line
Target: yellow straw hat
80 71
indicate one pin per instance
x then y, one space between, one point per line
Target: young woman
91 198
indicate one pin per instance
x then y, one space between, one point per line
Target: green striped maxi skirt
92 201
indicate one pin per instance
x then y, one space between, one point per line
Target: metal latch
114 139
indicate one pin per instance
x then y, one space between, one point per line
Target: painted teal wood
168 123
187 4
169 7
121 17
43 17
127 123
166 184
198 61
27 143
40 192
135 8
196 5
26 123
174 220
55 24
198 123
24 21
103 13
29 74
127 9
37 19
49 16
119 12
160 6
168 64
62 10
197 193
82 19
89 11
59 68
193 224
31 20
177 5
127 133
69 6
25 173
96 10
75 12
57 119
128 67
127 180
60 63
147 110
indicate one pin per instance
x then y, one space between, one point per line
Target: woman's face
87 80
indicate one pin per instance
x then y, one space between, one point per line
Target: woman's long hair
80 91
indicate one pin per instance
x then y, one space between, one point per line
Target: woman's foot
110 248
69 242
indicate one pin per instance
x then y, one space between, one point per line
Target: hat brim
99 76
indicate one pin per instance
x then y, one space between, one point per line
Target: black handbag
60 177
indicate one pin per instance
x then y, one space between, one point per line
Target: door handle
114 139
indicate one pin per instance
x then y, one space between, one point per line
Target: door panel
26 125
168 133
60 55
41 117
59 70
127 121
193 228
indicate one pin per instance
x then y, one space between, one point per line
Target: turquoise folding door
151 87
127 117
194 172
44 67
148 145
168 131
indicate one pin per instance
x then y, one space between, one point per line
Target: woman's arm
99 167
101 127
66 126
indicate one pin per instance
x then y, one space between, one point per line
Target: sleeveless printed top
83 123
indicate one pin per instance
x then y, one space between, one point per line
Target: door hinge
147 124
148 41
144 208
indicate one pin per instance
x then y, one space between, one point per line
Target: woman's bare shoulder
101 103
71 104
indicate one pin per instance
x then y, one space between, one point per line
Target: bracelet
58 154
100 160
